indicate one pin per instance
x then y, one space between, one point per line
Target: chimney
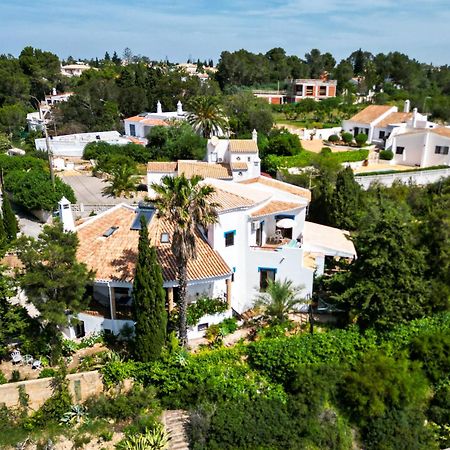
254 135
179 108
414 118
158 108
54 91
65 215
406 106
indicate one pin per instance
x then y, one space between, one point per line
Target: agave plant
75 415
156 439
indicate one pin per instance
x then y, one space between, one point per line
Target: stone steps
175 422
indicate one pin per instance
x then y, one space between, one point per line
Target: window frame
226 236
402 150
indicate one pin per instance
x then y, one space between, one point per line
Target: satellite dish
214 140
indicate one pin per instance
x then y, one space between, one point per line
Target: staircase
175 423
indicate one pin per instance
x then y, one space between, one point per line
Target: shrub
3 379
347 137
325 151
386 154
334 138
204 306
154 439
15 376
47 373
361 139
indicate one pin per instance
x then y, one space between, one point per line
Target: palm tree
279 300
187 204
206 116
122 179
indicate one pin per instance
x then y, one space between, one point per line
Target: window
248 158
322 90
110 231
202 326
399 150
164 238
229 238
440 150
266 275
310 90
382 134
132 129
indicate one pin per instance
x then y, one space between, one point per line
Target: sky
182 29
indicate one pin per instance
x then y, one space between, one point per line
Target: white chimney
179 108
406 106
65 215
158 108
254 135
414 118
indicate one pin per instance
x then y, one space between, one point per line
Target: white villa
139 126
261 235
74 70
382 122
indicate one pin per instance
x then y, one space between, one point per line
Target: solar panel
146 213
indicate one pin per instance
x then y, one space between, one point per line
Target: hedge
388 172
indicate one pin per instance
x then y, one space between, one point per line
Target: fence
419 177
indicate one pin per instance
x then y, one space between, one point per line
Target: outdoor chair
16 357
36 364
28 359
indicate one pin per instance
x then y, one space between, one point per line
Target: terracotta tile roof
146 121
243 146
442 131
286 187
113 258
162 167
204 169
371 113
229 201
238 166
395 117
275 206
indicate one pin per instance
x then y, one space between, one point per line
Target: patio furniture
28 359
16 357
37 364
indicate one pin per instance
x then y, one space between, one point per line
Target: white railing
419 177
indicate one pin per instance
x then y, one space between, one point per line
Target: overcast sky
180 29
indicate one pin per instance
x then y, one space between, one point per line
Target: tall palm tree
279 300
187 204
206 116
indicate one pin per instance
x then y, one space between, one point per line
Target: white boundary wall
420 177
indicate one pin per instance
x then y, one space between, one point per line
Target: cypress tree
9 220
3 239
148 301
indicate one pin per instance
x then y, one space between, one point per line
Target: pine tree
148 302
107 57
346 201
9 220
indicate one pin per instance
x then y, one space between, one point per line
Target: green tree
52 278
279 300
5 143
385 285
9 219
206 116
346 201
186 204
282 143
148 301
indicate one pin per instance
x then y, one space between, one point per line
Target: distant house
74 70
298 90
140 125
422 147
382 122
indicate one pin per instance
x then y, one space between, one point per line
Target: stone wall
81 385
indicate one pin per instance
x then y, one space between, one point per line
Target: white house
140 125
422 147
74 70
382 122
73 144
226 159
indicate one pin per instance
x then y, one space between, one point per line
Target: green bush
386 155
15 376
347 137
3 379
47 372
334 138
325 151
361 139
